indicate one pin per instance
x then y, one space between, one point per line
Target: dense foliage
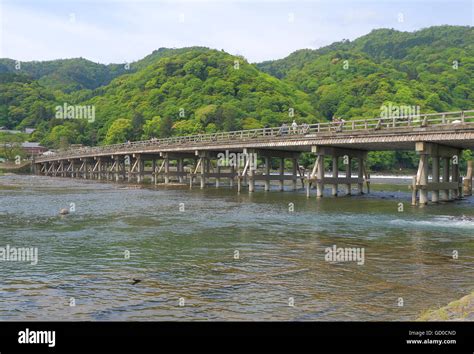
194 90
431 68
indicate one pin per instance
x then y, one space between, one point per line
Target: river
214 254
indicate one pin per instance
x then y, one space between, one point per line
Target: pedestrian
266 129
304 128
294 127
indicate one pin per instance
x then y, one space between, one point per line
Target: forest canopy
201 90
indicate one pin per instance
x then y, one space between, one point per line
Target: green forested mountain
193 90
432 68
182 91
198 90
66 75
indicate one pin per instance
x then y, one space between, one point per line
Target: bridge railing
373 124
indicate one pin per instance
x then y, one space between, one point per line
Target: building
33 149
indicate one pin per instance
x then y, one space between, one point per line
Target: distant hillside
170 92
432 68
196 89
65 74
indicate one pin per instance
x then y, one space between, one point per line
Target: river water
214 254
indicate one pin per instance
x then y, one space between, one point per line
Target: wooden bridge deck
437 137
452 128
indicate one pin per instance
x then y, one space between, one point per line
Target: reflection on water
190 254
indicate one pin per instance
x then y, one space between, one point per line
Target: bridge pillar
282 173
254 174
455 174
123 169
439 191
203 172
51 169
153 171
295 172
423 178
180 170
360 175
136 168
317 175
61 168
435 177
267 172
349 174
54 169
128 166
467 183
76 164
167 169
117 168
335 174
208 167
251 167
444 193
203 163
82 169
320 175
99 168
140 169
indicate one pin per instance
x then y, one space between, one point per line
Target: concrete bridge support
166 161
61 169
317 175
282 173
444 193
445 190
253 174
153 171
95 173
139 167
335 174
267 172
116 167
467 182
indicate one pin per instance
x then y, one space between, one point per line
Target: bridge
246 156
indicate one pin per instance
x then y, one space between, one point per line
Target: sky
121 31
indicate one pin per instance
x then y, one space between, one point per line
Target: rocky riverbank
459 310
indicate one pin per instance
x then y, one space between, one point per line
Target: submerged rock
64 211
462 218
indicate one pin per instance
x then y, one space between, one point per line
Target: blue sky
121 31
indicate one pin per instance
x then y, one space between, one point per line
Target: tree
166 127
119 132
61 136
10 147
137 125
151 128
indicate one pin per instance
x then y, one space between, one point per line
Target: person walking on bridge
294 127
284 129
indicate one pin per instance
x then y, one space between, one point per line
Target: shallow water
190 254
